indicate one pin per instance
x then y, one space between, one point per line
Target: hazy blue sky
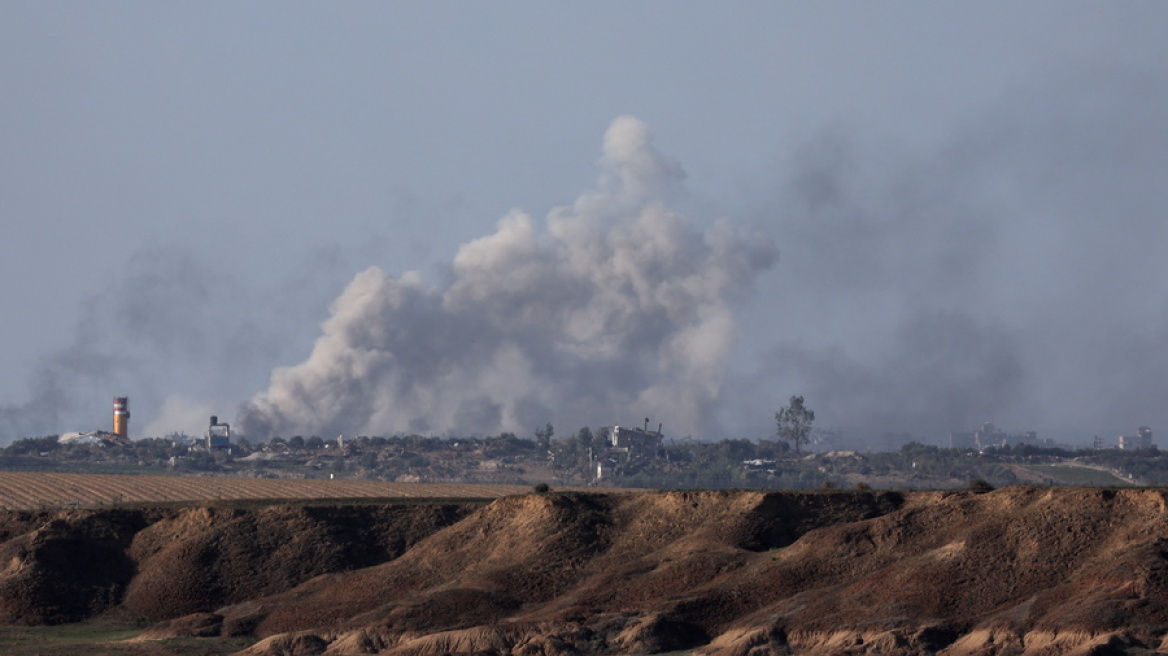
967 202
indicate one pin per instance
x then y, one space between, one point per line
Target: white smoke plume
609 310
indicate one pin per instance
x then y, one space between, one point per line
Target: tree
506 444
33 446
543 437
585 438
794 423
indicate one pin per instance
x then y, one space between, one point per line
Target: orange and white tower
122 416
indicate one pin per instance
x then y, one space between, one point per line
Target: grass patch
300 502
62 635
104 638
1082 476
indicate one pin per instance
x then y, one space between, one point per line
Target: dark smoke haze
183 336
1014 276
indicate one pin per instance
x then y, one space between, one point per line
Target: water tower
122 416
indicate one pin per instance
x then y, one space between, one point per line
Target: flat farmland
32 491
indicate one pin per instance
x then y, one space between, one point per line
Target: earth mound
66 566
205 558
1013 571
1023 570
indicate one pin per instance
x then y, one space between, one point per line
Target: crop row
27 491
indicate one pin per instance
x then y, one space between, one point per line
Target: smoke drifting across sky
609 310
1014 275
1010 274
184 337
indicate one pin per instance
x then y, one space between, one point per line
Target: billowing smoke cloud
1011 274
610 310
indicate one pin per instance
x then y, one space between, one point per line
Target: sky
372 218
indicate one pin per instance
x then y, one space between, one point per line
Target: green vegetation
330 502
794 423
1072 474
105 636
980 485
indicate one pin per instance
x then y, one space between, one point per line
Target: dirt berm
65 566
1014 571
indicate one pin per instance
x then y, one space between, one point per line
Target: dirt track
1014 571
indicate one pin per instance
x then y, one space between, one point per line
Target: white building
1141 440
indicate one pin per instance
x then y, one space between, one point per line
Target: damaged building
988 435
629 448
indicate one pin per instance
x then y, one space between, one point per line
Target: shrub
542 488
980 486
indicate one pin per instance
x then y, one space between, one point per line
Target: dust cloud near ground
1020 570
613 305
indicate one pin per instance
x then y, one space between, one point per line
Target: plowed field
24 491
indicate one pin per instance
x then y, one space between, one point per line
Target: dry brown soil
1021 570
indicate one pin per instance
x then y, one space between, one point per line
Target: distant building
988 435
638 441
1141 440
218 434
606 467
627 448
119 436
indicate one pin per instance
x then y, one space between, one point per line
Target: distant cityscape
988 435
620 455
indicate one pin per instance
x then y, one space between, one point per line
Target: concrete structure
122 417
1141 440
627 449
218 434
119 436
988 435
640 441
